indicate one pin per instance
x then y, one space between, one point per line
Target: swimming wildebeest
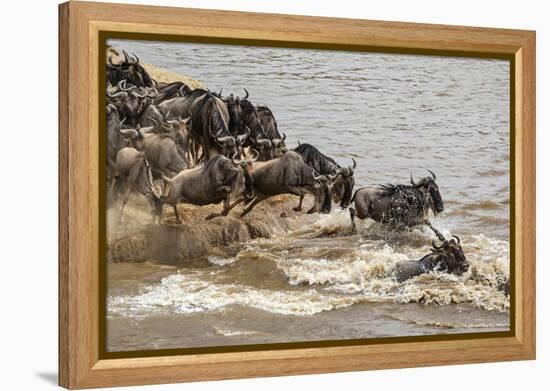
289 174
133 172
343 179
271 131
447 258
128 69
218 180
400 206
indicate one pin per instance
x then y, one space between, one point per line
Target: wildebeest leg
299 207
252 204
237 202
178 219
352 216
436 232
224 211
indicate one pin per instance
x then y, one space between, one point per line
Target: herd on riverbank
177 144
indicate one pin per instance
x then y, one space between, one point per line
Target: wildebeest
447 257
167 151
119 137
218 180
289 174
343 178
133 172
131 101
234 109
271 131
172 90
257 138
128 69
399 205
209 118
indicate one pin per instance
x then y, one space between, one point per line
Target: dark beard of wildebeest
271 131
166 152
399 206
219 179
233 105
289 174
342 177
128 69
133 172
209 119
447 257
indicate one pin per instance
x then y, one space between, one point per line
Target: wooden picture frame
81 363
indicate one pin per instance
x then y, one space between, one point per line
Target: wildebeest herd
174 144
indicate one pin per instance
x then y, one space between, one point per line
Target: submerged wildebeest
167 151
447 258
343 178
399 206
289 174
209 129
133 172
128 69
271 131
218 180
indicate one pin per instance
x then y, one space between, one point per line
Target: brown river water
311 279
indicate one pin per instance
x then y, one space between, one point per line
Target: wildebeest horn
122 121
457 239
126 57
186 119
298 142
284 136
111 63
317 177
246 92
172 122
116 94
139 95
234 158
154 120
132 133
256 155
220 93
136 61
244 136
154 91
433 175
355 164
412 181
122 85
262 141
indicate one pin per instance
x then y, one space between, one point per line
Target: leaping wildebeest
289 174
218 180
343 177
399 206
447 257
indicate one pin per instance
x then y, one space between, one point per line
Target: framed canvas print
251 195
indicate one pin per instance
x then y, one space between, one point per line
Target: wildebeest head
344 180
246 166
435 201
278 146
322 185
234 109
129 69
131 101
180 129
137 136
450 257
